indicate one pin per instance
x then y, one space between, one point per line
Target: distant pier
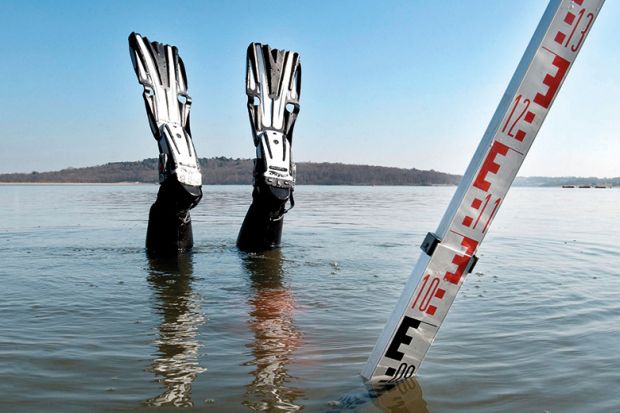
603 186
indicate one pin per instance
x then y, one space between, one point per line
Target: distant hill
239 171
227 171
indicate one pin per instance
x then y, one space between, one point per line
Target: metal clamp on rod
430 243
471 264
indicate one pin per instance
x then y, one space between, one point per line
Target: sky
409 84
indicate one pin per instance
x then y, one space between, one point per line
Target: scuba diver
161 72
273 84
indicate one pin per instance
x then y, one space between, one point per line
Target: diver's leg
170 225
273 85
262 226
161 71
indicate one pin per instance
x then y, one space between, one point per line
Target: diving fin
161 71
273 86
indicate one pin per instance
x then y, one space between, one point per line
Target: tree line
229 171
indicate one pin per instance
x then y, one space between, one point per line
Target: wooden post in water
449 252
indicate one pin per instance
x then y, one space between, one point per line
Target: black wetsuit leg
170 225
262 227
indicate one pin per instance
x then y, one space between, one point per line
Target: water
87 322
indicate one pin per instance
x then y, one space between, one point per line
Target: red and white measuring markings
449 252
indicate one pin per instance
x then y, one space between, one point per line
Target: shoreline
298 185
75 183
208 184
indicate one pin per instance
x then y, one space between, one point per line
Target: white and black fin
273 85
161 71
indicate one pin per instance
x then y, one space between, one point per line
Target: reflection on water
403 397
176 364
275 336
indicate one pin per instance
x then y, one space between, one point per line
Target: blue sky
400 83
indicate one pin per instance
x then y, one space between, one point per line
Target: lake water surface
89 323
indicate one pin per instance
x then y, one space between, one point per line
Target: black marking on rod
401 337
